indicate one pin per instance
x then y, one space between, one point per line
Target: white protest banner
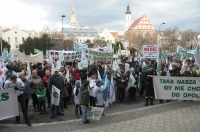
97 113
150 51
83 64
99 55
8 103
68 55
177 88
55 96
26 58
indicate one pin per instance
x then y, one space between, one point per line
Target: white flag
28 75
67 75
99 76
55 96
131 82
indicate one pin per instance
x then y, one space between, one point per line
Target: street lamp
160 33
62 31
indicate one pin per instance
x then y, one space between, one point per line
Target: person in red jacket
75 73
45 81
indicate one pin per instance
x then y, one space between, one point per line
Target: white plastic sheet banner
8 104
177 88
97 113
55 96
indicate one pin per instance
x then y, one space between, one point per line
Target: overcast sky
37 14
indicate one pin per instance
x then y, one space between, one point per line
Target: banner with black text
177 88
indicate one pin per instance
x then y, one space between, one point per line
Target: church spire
73 21
128 11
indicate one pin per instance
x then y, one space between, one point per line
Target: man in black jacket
58 82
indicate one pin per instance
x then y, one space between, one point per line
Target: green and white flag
55 96
36 51
131 82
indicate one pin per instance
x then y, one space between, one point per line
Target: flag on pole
159 60
197 54
28 74
55 96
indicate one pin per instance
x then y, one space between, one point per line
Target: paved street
168 117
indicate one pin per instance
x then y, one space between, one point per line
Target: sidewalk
179 120
176 116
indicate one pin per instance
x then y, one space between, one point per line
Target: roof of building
114 34
135 23
141 19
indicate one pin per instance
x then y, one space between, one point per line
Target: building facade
141 32
15 36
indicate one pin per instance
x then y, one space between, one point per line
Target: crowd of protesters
85 85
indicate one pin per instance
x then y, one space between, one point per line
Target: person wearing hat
148 82
84 100
19 86
58 82
98 94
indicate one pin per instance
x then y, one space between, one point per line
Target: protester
45 81
35 80
84 100
58 82
18 85
98 94
76 92
41 95
27 91
149 85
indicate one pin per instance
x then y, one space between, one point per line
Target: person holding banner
98 94
18 85
58 82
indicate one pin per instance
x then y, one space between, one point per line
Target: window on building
140 27
16 41
80 40
148 27
144 27
22 39
9 40
16 46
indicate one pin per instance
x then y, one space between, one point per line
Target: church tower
73 21
127 18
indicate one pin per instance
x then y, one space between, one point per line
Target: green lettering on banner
179 88
90 51
186 81
167 87
94 58
4 96
166 81
175 94
191 88
93 52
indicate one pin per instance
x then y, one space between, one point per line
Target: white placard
8 103
150 51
